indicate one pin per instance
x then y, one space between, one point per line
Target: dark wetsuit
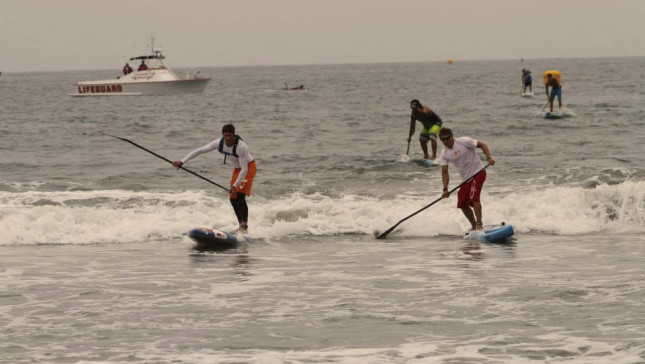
431 124
428 120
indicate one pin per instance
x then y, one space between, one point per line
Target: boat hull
137 88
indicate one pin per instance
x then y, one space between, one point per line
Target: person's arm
546 87
413 122
484 148
205 149
445 178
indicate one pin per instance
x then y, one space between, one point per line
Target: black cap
415 103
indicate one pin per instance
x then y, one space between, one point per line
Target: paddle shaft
547 103
408 152
167 160
384 234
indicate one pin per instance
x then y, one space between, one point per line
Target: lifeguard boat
154 79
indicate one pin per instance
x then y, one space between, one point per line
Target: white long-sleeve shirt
241 161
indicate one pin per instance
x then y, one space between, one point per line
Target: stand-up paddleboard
418 158
492 233
216 238
558 114
553 114
527 94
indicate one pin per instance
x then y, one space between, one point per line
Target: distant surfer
461 152
301 87
430 130
244 168
527 80
556 90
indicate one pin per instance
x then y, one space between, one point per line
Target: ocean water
96 266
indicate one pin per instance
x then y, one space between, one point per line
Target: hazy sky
38 35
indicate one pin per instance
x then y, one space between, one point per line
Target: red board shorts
469 192
247 183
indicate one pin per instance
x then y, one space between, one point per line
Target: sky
56 35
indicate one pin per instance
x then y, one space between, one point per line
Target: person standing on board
556 90
244 168
527 80
461 152
431 124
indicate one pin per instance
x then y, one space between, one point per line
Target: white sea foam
571 349
117 216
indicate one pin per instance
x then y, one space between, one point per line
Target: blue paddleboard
492 234
553 115
216 238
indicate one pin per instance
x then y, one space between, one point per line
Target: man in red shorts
461 152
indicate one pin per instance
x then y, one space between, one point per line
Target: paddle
408 152
382 236
167 160
547 103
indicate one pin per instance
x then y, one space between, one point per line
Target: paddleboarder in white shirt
244 168
461 152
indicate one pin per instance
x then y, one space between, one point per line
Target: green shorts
427 134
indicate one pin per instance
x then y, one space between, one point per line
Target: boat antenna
152 42
155 51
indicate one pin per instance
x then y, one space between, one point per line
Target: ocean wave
119 216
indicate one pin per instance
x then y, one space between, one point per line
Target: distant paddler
527 80
301 87
553 79
430 131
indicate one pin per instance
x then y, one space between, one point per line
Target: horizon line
454 60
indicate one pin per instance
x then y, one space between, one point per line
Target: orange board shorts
469 192
247 183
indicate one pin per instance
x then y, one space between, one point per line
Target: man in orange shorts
244 168
461 152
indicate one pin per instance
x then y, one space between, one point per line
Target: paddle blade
385 233
404 158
